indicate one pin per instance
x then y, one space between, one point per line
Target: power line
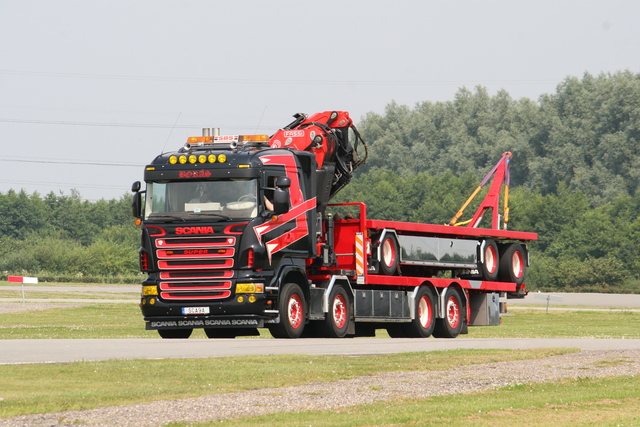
273 81
131 125
61 122
68 162
62 184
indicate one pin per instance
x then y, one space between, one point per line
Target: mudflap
153 325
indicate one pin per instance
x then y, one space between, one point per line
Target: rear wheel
451 325
337 319
389 255
293 313
175 333
512 263
489 265
425 317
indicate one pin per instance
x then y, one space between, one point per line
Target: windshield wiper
228 218
165 217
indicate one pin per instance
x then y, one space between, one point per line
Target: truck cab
223 220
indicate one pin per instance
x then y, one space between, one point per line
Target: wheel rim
388 253
453 312
339 311
425 312
295 311
517 265
490 259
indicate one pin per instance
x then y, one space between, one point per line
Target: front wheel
337 319
220 333
451 325
293 313
175 333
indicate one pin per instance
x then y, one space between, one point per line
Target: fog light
149 290
240 299
252 298
152 301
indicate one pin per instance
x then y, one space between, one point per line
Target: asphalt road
69 350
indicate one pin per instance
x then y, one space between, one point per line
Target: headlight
249 288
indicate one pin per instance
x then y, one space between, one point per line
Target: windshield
225 199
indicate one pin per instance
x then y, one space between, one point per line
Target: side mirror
136 205
283 182
281 200
136 187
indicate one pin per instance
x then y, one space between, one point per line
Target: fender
287 267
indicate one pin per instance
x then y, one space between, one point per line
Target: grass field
125 321
39 388
587 402
43 388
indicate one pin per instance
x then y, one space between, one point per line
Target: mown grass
522 323
122 320
66 295
41 388
585 402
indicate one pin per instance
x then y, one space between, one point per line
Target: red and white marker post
23 280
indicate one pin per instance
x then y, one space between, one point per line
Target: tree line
574 181
575 172
64 238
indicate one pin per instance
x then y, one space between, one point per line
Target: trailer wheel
337 319
423 324
293 313
512 264
489 266
389 255
175 333
451 325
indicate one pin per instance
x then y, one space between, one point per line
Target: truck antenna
169 137
260 121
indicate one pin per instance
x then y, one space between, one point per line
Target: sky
91 90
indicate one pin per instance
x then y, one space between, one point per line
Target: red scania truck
238 234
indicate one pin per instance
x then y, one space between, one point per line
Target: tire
489 268
512 263
219 333
451 325
396 331
175 333
231 333
423 324
293 313
337 320
389 255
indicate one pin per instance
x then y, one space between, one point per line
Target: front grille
196 268
208 274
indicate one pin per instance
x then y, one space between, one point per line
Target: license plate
195 310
